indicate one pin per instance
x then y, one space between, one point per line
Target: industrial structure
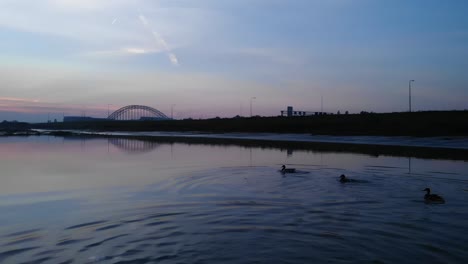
290 112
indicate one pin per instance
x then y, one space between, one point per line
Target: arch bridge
137 112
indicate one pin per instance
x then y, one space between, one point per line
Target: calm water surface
126 201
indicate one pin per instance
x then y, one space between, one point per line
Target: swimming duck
432 198
343 179
288 170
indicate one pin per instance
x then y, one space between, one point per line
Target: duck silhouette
287 170
343 179
432 198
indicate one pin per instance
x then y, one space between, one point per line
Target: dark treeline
14 126
429 123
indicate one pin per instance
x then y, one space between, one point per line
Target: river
79 200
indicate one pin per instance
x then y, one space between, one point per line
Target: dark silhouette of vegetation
15 128
430 123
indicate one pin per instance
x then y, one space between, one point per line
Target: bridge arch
137 112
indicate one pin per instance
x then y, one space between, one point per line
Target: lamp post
409 84
252 98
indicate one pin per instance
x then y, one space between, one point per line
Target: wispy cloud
135 51
120 52
16 100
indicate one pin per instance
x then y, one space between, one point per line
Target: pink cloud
15 99
36 106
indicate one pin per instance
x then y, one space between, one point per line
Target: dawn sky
208 58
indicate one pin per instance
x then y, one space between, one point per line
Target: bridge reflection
134 146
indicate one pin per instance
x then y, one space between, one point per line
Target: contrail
171 55
160 40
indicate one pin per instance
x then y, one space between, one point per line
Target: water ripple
90 224
6 254
216 216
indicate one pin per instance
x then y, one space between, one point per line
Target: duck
287 170
343 179
432 198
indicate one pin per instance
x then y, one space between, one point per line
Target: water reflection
76 201
409 165
134 146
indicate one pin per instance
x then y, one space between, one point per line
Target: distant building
290 112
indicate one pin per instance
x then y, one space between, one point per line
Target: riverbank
435 135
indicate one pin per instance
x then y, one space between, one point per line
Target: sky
208 58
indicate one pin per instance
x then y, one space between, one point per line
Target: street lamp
409 84
251 105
